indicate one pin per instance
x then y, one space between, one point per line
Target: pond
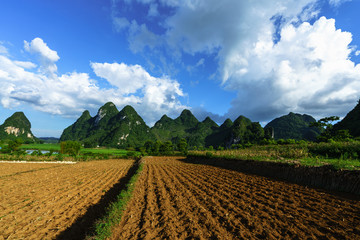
30 151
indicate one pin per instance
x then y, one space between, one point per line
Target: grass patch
44 147
85 154
337 155
114 212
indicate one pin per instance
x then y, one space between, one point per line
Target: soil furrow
290 209
195 209
41 204
192 201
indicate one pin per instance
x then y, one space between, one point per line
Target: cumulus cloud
268 52
71 93
153 95
308 70
37 45
47 56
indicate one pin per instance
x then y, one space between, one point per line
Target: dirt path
39 201
177 200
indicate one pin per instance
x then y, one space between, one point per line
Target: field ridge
85 225
324 177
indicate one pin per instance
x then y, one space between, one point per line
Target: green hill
127 129
167 129
109 128
221 136
17 126
294 126
350 122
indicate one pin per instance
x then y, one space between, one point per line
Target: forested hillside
17 127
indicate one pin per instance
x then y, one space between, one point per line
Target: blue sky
261 59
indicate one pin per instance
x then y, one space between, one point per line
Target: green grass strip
114 212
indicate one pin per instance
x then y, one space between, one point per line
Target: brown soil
10 168
178 200
39 201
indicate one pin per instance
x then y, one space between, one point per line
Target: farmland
39 200
171 199
177 200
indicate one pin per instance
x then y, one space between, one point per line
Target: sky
260 59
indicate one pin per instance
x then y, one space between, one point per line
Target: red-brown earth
41 200
178 200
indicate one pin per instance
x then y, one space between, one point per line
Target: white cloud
38 46
153 10
337 3
308 69
200 62
3 50
120 23
140 37
71 93
128 79
26 65
154 96
47 56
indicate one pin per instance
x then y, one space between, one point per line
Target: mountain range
125 128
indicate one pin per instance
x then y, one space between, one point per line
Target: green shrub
334 149
209 154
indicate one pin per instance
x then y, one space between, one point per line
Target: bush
183 146
334 149
36 153
209 154
70 147
131 154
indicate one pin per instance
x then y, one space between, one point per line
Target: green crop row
340 155
114 212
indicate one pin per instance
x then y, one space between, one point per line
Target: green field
339 155
86 151
44 147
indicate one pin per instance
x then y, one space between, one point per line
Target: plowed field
38 201
178 200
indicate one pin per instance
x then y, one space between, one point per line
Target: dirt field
38 201
177 200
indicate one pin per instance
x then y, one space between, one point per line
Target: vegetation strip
115 210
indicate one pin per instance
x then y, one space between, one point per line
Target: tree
166 148
183 146
327 125
70 147
89 144
15 145
156 148
326 122
148 147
